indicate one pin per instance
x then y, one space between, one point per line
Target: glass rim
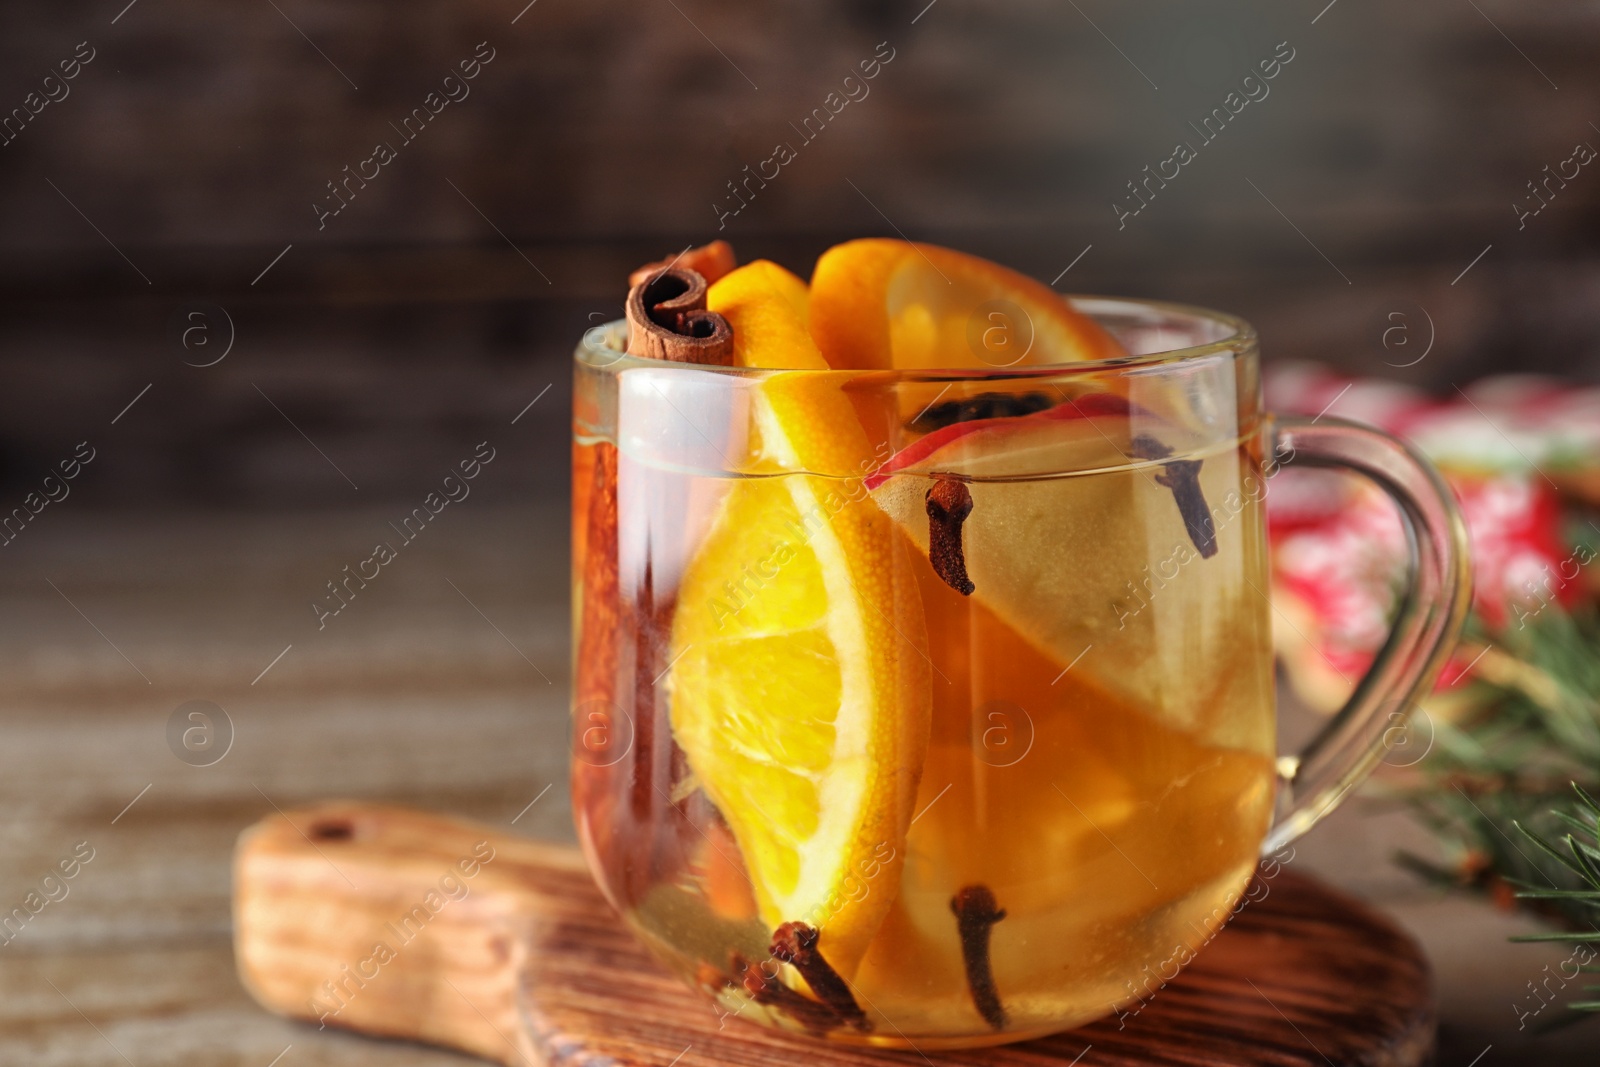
1240 337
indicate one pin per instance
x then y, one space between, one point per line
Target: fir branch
1518 773
1580 860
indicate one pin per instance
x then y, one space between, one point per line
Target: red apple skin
1087 406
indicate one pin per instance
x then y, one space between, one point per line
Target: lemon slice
799 691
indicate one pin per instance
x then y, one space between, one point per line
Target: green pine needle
1510 790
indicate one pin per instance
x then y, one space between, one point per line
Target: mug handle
1432 608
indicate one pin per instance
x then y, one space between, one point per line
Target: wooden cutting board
403 924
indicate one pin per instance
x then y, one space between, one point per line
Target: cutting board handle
403 924
392 922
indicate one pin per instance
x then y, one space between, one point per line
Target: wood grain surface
404 924
410 697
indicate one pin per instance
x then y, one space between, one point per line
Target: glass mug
843 796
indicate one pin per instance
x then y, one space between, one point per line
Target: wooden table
442 685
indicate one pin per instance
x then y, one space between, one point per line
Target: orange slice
878 303
800 691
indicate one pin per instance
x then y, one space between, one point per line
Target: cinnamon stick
667 319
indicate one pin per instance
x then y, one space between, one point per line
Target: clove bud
795 943
1182 476
949 503
976 913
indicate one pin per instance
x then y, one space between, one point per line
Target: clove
949 503
976 913
795 943
1182 476
982 406
765 989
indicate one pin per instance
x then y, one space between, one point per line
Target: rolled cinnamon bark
667 319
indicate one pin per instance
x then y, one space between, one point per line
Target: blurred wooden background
601 134
179 173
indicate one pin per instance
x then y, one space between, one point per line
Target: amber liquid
1100 753
1115 843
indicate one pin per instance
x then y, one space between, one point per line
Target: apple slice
1087 554
1007 446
